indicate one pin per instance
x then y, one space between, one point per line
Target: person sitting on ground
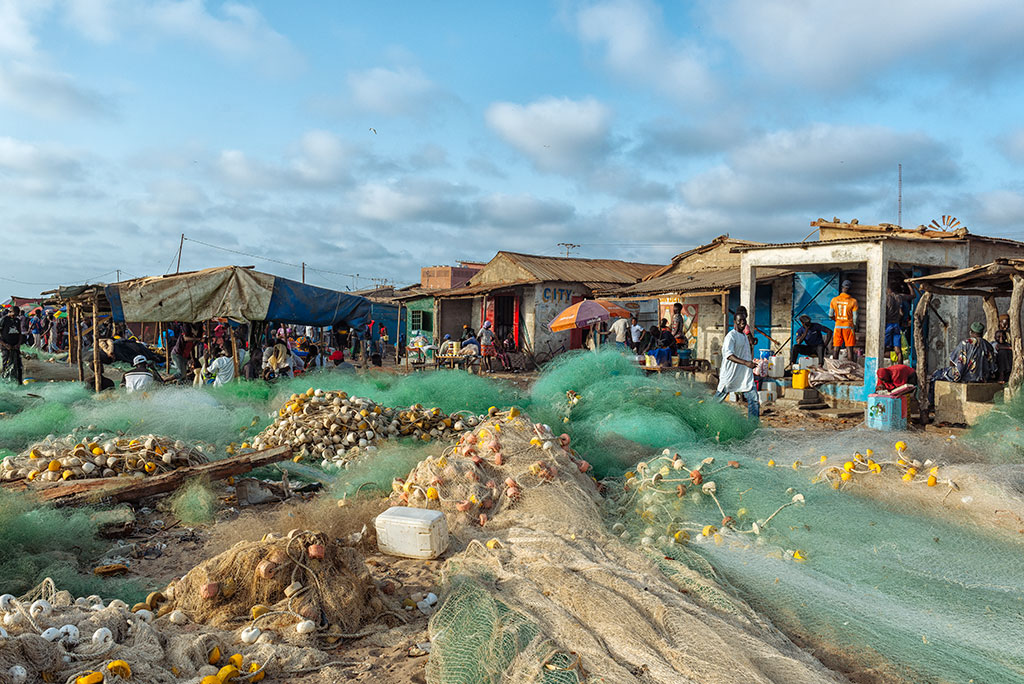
222 366
337 361
105 382
1004 352
253 368
737 371
973 360
279 363
141 377
896 377
810 339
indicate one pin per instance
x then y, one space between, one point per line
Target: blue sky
376 138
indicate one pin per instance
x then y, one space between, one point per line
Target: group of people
483 344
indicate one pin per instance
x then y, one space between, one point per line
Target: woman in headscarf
280 362
486 338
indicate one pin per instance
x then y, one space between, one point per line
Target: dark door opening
504 316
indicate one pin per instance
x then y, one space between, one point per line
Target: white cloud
556 134
1011 145
28 168
49 94
320 160
391 92
1001 208
236 30
838 45
411 200
638 49
819 168
16 20
522 211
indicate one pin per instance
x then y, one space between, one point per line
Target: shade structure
584 314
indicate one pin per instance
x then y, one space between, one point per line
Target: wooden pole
398 337
991 317
97 376
1016 334
921 348
167 351
234 350
78 343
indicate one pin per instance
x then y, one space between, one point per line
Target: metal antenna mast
899 201
569 246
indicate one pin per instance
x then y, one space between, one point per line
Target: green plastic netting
899 579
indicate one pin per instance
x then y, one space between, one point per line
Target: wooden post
167 351
921 348
398 337
1016 334
97 376
991 317
78 343
234 350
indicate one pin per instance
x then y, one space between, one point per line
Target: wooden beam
965 291
234 351
991 317
115 490
78 343
1016 334
921 349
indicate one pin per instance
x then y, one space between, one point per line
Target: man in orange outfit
843 310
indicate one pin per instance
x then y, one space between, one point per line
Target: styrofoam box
412 532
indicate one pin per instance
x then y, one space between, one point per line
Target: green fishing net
194 504
40 541
884 575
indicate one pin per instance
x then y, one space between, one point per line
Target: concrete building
870 256
520 294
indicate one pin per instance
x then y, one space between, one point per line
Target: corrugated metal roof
692 283
471 290
572 270
721 239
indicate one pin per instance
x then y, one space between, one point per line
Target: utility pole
180 245
568 247
118 275
899 200
303 271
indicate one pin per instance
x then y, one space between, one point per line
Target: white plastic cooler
412 532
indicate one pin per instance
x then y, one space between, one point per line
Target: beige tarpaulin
231 292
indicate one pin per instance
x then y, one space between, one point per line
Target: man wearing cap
843 310
810 339
140 378
10 346
973 360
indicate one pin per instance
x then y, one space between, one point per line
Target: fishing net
279 583
54 637
538 591
40 541
615 414
1000 432
893 564
194 504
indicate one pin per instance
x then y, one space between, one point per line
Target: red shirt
894 376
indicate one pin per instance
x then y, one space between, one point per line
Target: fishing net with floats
289 580
894 564
53 637
538 591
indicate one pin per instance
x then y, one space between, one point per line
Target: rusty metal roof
700 249
694 284
573 270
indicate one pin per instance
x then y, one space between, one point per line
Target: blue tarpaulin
235 293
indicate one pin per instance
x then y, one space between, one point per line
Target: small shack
521 293
239 294
992 284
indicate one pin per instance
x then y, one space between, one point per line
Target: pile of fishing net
50 636
332 427
75 457
892 562
298 587
538 590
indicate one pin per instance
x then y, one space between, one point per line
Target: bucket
800 379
